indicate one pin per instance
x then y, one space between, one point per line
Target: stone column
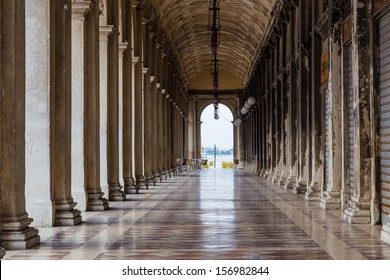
127 98
85 105
138 105
60 56
332 197
362 202
79 11
316 112
104 31
127 119
191 129
292 143
47 115
116 193
16 232
2 250
242 143
147 105
153 111
303 91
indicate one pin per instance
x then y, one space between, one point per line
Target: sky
219 132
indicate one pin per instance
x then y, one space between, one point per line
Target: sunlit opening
217 137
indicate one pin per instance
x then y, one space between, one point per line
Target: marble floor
210 214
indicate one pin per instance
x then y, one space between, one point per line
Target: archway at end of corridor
217 137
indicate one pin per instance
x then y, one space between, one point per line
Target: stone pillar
79 10
361 201
242 143
154 109
116 193
191 129
85 105
332 195
316 113
2 250
104 31
138 105
292 146
303 91
127 97
127 104
147 105
159 131
47 115
60 56
16 232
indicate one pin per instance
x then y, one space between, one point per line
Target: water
220 159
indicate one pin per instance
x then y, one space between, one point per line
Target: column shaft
16 232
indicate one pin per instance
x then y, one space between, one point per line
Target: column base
129 187
313 192
270 176
331 201
358 213
158 176
66 215
2 253
300 187
290 183
148 180
115 193
385 233
96 202
140 183
18 235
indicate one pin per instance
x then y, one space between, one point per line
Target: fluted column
16 232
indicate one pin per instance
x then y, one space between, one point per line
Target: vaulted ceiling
243 26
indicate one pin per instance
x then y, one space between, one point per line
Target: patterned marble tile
228 214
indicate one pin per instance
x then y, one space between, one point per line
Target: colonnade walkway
211 214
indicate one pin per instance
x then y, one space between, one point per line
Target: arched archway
217 135
201 102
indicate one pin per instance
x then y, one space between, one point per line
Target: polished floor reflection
223 214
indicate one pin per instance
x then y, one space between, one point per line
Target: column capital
80 9
135 60
145 70
158 85
105 32
152 79
123 47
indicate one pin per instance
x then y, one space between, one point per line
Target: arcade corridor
223 214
